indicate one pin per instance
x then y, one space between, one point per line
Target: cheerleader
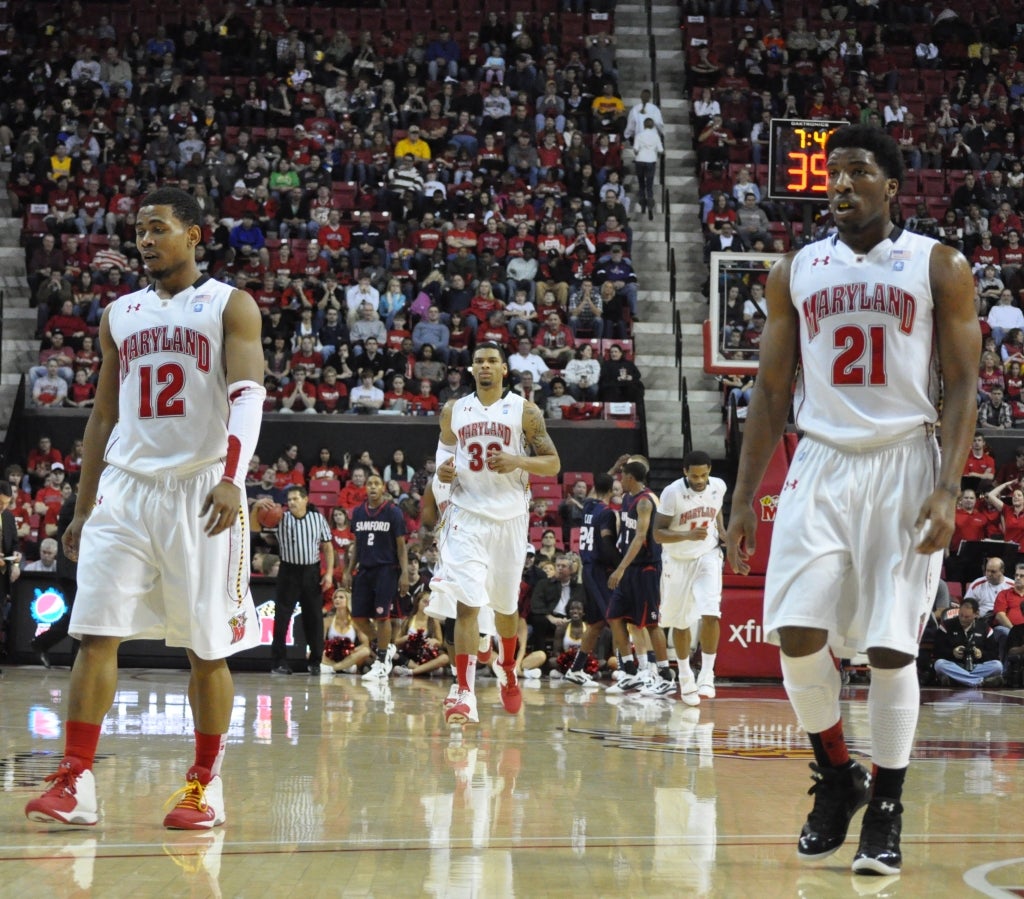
420 647
569 638
344 648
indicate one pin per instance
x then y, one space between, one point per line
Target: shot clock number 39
796 158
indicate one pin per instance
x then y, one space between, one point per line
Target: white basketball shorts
481 563
147 571
690 588
843 552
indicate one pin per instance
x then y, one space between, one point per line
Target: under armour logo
887 806
791 485
822 260
134 308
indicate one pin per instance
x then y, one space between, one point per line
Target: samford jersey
867 373
376 531
689 510
173 398
650 552
478 429
597 516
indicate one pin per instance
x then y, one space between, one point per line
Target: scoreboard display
796 158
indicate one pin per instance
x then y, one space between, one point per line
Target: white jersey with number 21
868 369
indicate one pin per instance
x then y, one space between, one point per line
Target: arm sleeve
245 415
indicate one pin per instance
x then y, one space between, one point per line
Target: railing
648 9
672 287
13 425
687 428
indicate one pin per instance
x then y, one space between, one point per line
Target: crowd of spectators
944 79
390 194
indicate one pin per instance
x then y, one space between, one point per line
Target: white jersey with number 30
172 379
868 368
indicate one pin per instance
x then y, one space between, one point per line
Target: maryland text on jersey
165 339
485 429
844 299
699 512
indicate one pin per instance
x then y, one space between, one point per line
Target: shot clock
796 158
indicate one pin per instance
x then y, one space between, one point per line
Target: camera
967 662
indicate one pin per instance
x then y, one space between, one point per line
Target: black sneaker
314 670
838 794
879 849
281 668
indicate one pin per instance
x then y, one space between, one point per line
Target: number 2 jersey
173 398
868 371
479 429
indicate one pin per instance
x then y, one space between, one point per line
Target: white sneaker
706 687
377 671
688 691
582 679
532 674
389 658
658 686
628 683
402 671
618 674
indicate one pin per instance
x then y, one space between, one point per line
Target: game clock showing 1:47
796 158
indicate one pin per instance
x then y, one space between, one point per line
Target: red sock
834 744
508 651
210 751
80 742
462 670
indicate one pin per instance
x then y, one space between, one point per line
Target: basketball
269 516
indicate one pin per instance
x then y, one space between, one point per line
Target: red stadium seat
550 492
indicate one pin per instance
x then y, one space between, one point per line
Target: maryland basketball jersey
690 510
173 400
868 371
478 429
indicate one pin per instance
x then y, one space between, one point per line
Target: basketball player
688 523
160 527
635 583
381 567
599 557
867 507
483 455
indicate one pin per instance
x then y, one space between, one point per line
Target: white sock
894 698
471 672
707 668
685 671
812 684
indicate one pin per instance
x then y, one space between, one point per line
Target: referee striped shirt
299 539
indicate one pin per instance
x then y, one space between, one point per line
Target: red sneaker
70 800
511 695
199 805
463 710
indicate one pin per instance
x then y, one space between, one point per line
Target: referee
302 535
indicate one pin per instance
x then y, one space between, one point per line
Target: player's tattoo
536 433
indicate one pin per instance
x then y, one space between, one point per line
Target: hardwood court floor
335 790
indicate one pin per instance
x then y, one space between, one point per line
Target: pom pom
338 648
